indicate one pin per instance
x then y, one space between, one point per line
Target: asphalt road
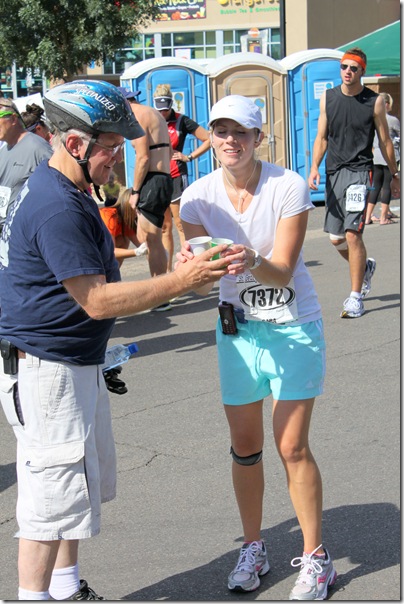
173 533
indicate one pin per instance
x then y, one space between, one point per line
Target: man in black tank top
349 116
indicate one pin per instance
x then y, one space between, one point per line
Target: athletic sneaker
85 593
252 563
367 279
353 307
162 307
315 576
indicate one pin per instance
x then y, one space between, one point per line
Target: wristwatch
190 158
135 192
257 260
395 174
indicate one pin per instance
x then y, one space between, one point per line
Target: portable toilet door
310 72
262 79
189 86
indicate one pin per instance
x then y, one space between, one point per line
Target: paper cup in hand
219 241
199 244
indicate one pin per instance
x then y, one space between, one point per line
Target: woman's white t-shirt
280 193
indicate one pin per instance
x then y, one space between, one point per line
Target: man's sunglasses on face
353 68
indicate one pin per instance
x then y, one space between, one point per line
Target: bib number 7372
266 303
264 297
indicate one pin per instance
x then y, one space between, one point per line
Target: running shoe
162 307
353 307
252 563
85 593
315 577
367 279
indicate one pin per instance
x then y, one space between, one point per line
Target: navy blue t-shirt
53 232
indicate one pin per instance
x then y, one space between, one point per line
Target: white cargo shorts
66 462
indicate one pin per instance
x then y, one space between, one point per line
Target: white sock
26 594
64 582
357 295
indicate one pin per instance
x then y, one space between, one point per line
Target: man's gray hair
59 137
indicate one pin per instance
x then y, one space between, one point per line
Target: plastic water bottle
118 354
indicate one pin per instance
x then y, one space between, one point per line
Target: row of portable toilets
287 92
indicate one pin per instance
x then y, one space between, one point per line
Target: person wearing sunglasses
20 154
350 114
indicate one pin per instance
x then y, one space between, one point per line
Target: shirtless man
152 183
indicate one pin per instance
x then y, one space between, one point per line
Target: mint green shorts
287 361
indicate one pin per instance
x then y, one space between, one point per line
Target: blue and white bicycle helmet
91 106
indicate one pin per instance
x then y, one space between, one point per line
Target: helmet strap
83 163
97 192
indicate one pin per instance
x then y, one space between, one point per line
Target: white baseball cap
238 108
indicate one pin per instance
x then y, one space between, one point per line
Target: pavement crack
7 520
151 456
145 464
164 404
377 346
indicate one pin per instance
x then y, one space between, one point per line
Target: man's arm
386 144
319 147
102 300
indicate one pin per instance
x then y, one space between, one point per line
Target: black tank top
351 130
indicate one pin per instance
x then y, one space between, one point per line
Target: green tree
60 36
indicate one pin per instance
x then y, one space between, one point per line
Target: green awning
382 48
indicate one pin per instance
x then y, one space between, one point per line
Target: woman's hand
242 258
238 256
184 254
178 156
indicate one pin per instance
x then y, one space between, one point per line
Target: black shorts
155 197
180 183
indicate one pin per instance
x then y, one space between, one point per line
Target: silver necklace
240 195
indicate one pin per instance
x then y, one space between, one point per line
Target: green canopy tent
382 48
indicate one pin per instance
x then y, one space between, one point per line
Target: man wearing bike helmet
60 293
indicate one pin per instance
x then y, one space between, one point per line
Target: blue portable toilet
309 73
189 85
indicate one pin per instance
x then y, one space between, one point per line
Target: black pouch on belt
10 357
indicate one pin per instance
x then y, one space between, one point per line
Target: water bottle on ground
118 354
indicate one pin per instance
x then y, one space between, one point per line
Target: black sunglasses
344 66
